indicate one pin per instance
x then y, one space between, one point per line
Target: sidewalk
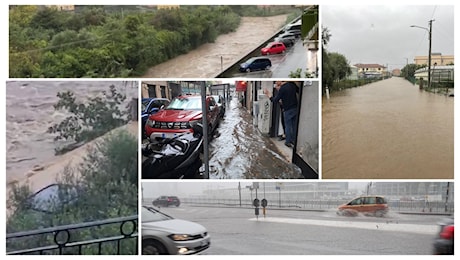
285 151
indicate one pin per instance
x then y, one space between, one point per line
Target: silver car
165 235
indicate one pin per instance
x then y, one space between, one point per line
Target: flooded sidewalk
240 151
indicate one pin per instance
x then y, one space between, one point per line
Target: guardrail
79 239
439 207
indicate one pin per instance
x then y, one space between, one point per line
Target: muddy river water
208 60
388 130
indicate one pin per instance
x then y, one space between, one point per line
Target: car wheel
268 67
153 247
248 70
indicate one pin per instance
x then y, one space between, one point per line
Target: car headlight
180 237
150 122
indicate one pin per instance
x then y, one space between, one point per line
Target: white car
165 235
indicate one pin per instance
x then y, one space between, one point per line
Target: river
30 112
387 130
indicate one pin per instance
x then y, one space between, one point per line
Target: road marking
411 228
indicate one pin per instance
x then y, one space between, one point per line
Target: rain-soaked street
239 151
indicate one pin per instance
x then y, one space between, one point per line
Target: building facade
436 59
371 70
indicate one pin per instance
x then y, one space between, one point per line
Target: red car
273 48
177 117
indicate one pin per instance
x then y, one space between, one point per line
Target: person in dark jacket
288 96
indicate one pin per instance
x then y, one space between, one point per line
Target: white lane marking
411 228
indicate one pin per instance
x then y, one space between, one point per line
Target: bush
90 119
107 187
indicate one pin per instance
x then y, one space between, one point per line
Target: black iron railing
117 236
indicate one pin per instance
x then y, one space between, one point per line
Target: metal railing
117 236
317 204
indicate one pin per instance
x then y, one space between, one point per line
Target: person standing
288 95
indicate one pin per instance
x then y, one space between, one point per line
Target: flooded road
208 60
388 130
29 113
241 152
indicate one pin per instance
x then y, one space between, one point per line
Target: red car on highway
273 48
179 115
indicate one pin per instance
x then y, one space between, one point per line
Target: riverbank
48 173
209 59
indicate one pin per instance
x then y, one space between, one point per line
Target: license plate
164 135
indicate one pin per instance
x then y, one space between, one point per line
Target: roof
360 65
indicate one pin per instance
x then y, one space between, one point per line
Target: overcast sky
382 34
154 189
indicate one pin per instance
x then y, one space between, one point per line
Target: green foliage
107 187
298 74
91 118
107 42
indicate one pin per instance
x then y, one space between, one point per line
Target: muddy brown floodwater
205 62
388 130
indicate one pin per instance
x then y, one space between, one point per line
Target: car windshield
145 103
150 214
185 104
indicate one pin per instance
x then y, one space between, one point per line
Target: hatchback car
165 235
286 35
273 48
256 63
151 106
444 241
367 205
166 201
179 116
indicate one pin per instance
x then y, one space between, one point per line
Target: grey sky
153 189
382 34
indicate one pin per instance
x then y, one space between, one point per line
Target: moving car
444 241
165 235
367 205
273 48
178 116
166 201
151 106
256 63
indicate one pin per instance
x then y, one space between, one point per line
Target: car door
370 205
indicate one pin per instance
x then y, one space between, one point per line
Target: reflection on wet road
240 151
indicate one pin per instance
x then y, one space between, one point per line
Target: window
369 200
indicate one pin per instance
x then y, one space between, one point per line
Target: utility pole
429 55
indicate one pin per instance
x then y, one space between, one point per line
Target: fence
395 206
105 237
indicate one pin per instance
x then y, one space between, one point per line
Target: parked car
220 102
151 106
273 48
444 241
166 201
286 35
178 116
293 26
256 63
165 235
295 32
288 42
367 205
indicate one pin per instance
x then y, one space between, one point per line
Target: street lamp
429 48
